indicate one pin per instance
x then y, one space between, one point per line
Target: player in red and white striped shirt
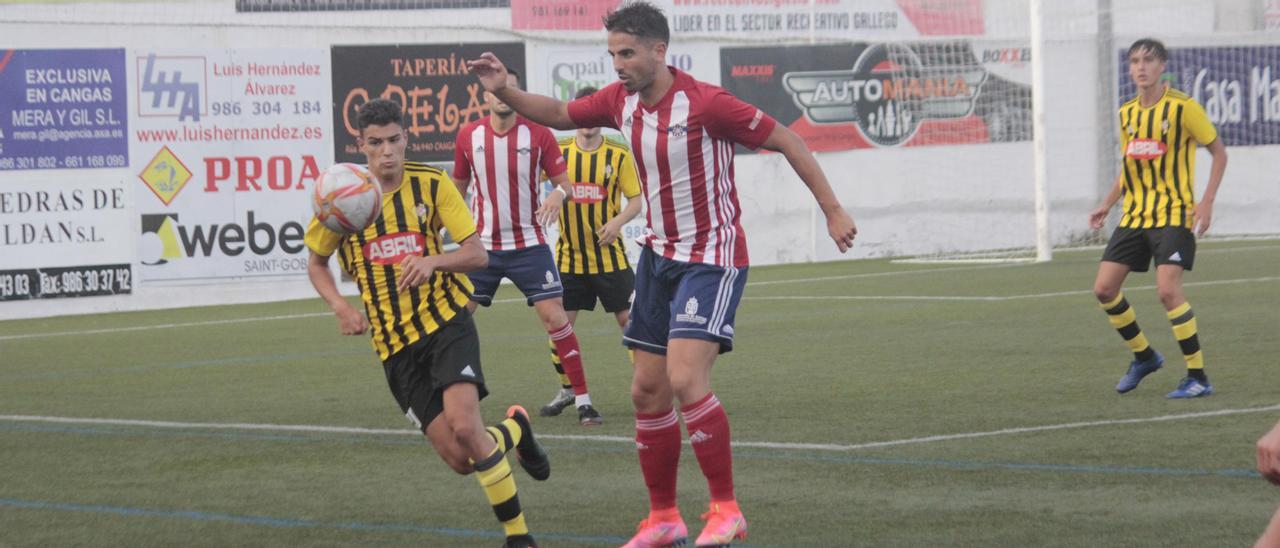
694 263
500 158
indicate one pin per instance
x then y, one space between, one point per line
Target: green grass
817 371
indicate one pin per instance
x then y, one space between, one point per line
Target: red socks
570 357
708 427
658 445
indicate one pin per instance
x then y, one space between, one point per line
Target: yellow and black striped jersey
600 179
412 218
1158 144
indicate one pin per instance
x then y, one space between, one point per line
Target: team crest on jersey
1164 127
394 248
678 130
691 313
421 210
608 171
1144 149
587 193
523 151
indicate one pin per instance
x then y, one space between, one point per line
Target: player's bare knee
1170 297
1105 293
650 396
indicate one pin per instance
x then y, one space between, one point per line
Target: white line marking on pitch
622 439
751 284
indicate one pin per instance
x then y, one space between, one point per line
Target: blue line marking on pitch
747 454
291 522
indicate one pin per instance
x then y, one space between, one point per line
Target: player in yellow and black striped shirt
591 256
415 295
1159 132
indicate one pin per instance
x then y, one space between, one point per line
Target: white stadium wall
907 200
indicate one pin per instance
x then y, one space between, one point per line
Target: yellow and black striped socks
1184 329
565 383
506 434
1122 317
499 486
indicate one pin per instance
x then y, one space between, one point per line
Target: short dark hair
1155 46
515 73
640 19
584 91
380 112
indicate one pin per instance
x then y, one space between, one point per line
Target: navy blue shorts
532 269
678 300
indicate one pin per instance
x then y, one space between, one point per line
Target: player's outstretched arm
350 320
539 108
840 224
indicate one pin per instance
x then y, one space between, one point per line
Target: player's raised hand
1202 215
351 321
415 270
491 72
1269 455
841 228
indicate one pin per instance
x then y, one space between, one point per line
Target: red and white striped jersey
683 151
502 170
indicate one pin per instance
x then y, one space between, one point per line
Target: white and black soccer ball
347 199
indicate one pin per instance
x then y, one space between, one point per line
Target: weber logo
1144 149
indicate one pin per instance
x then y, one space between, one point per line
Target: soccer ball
346 200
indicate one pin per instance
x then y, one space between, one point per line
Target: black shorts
1136 247
419 373
612 288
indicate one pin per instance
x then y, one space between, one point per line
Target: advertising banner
431 81
226 145
560 14
62 109
363 5
67 234
1239 88
561 70
823 19
848 96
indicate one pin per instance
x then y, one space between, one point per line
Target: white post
813 207
1044 251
